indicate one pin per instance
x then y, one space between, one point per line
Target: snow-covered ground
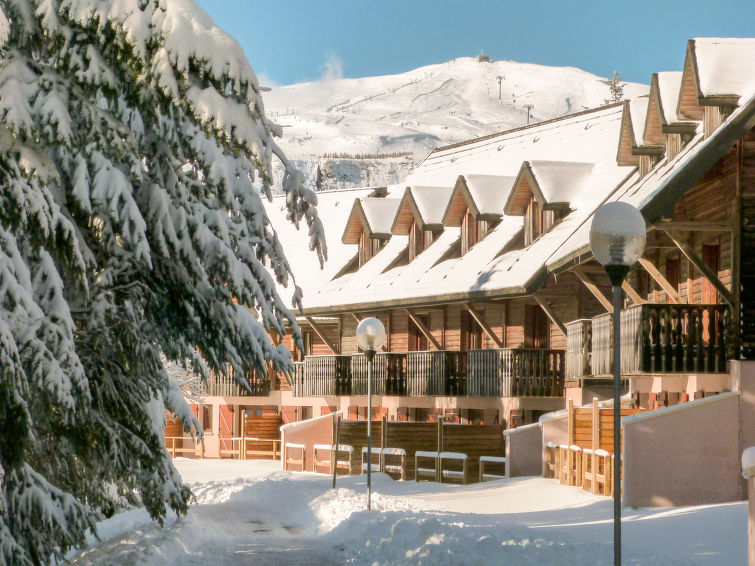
250 512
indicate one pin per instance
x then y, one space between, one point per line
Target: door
225 432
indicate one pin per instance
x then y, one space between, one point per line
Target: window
416 241
306 338
471 333
672 271
537 221
417 340
536 327
368 248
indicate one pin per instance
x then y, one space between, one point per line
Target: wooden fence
472 440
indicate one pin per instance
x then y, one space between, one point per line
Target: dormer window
542 193
368 226
472 231
537 221
419 240
368 248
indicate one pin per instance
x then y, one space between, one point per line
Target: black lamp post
370 337
617 239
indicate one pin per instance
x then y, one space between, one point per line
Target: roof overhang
409 212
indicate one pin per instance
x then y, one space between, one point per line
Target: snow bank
248 512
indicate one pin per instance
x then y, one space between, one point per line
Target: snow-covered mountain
371 131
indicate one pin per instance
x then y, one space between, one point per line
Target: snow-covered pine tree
132 132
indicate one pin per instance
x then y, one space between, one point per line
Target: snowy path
252 513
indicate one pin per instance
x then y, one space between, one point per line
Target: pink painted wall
683 455
524 451
310 432
556 429
743 380
751 523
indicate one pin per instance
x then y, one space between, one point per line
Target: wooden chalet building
479 265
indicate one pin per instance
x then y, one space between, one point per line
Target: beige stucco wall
683 455
524 451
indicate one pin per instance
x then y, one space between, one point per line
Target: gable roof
373 215
717 72
483 195
628 138
423 205
656 193
552 183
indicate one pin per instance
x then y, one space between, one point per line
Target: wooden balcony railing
388 374
662 338
515 372
325 375
578 348
226 386
439 372
507 372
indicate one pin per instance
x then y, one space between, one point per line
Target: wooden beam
594 289
319 331
552 315
687 226
661 280
484 325
423 329
707 272
634 295
356 317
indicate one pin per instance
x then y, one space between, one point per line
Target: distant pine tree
615 86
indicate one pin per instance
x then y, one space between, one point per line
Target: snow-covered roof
668 85
551 182
373 215
632 128
484 195
424 205
333 209
724 65
661 110
666 178
577 156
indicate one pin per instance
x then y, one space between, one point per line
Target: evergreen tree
615 85
132 132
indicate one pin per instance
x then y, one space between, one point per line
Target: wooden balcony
655 338
226 386
388 374
515 372
325 375
510 372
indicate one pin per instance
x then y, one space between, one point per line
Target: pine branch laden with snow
132 134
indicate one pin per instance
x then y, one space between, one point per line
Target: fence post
440 449
336 442
383 437
242 448
595 443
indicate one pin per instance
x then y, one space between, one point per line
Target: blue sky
292 41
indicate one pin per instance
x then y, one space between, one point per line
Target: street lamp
617 239
370 337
